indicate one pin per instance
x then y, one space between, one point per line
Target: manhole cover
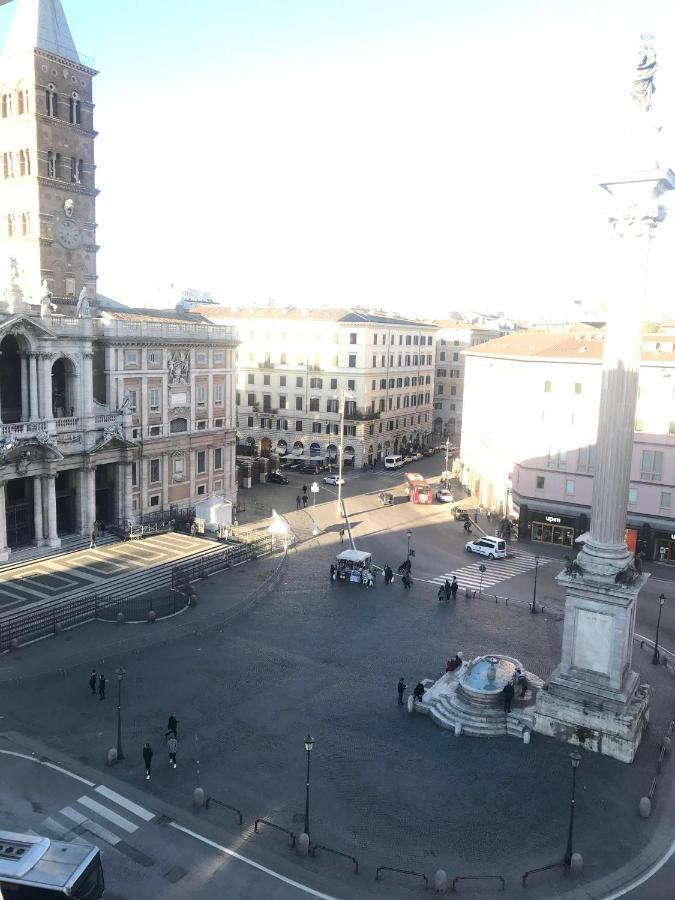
174 874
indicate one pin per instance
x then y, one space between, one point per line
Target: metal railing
277 827
402 872
555 865
476 878
232 555
314 847
210 800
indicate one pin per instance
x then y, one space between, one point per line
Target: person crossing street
172 747
92 681
147 759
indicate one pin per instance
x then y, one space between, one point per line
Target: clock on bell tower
47 172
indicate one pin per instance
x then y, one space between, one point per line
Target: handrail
554 865
401 872
316 847
274 825
226 805
475 878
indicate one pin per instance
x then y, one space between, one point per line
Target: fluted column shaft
25 410
37 510
33 386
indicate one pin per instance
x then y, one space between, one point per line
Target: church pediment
22 454
112 440
26 326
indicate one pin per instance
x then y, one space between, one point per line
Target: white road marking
93 827
53 826
108 814
73 815
49 765
127 804
252 863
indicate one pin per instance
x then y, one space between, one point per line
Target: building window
298 403
154 500
266 380
132 397
155 430
201 462
314 404
547 387
453 390
441 356
316 427
218 458
201 395
218 357
250 400
316 383
75 109
154 399
298 381
76 171
298 425
201 425
154 357
332 406
131 357
283 400
178 467
218 423
577 387
666 499
267 402
52 103
351 384
154 471
632 496
557 459
352 337
250 378
455 357
218 394
201 490
352 361
651 468
586 459
249 421
134 474
540 482
25 224
282 381
202 358
569 487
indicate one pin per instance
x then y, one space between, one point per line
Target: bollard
14 644
645 807
667 744
526 735
458 729
58 628
120 617
198 798
152 616
112 757
440 882
411 703
576 864
302 844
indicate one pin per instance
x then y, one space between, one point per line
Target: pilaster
52 530
37 511
33 386
46 385
25 409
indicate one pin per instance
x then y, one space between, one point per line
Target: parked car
277 478
386 498
294 464
333 479
309 469
419 455
461 515
408 459
430 451
444 496
492 547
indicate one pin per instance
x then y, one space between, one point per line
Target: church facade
107 413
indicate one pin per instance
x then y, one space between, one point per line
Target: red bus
416 488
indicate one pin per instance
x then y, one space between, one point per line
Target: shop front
664 546
553 529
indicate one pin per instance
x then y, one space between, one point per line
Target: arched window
5 165
178 425
22 99
10 225
75 109
6 103
52 164
76 170
25 224
51 101
24 162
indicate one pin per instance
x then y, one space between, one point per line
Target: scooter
467 527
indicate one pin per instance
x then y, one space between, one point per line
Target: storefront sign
553 520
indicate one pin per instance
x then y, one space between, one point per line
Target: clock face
68 234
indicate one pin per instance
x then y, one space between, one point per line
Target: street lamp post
309 743
344 393
409 536
657 656
120 673
533 608
447 456
575 759
481 569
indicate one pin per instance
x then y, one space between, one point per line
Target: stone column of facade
25 409
87 499
128 490
37 511
46 385
145 406
52 529
209 399
87 405
4 550
166 461
33 386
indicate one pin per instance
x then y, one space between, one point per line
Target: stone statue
126 404
46 305
179 367
82 309
13 272
643 85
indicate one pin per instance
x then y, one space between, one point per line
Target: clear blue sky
437 154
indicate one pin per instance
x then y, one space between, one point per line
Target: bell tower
47 172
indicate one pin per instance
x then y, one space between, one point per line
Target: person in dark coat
333 570
172 725
298 502
388 574
418 693
407 581
147 759
447 589
101 686
304 501
92 681
401 686
508 692
454 587
304 489
521 682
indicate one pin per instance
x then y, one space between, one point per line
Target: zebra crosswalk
109 816
496 570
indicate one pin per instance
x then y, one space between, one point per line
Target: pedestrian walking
172 726
298 502
304 489
401 686
101 686
448 589
475 518
407 581
172 747
388 574
521 682
508 692
488 515
332 572
147 759
304 501
342 535
92 541
454 587
92 681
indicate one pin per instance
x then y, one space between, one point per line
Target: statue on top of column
46 305
83 310
643 85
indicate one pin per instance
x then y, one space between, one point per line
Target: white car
333 479
444 496
492 547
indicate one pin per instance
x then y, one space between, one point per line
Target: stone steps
70 544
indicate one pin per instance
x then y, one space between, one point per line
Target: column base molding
41 543
54 543
5 553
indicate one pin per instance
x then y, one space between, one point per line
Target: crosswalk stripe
108 814
52 825
73 815
127 804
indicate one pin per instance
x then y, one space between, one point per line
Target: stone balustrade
161 331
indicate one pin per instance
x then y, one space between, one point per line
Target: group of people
344 570
171 737
448 591
418 692
519 680
301 501
97 678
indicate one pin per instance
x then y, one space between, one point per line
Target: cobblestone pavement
387 787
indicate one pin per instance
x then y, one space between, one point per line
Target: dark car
309 470
277 478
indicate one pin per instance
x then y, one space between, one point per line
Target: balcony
267 364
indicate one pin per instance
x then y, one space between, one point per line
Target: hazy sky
417 155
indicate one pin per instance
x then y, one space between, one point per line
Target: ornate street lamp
657 656
309 743
575 759
120 673
533 608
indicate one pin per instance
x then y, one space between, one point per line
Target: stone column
145 406
46 385
24 388
33 386
166 461
209 399
4 550
37 511
128 490
87 499
87 406
52 530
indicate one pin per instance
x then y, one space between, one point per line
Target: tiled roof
570 345
153 315
324 313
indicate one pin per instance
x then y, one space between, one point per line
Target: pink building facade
532 453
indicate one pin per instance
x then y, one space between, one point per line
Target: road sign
315 488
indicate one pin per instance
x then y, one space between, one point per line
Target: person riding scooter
467 527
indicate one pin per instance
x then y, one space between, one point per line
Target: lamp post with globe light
309 744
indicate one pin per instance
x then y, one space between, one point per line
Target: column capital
88 354
44 355
51 475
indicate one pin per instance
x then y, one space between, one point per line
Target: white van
492 547
393 462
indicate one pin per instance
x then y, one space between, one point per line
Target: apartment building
530 428
295 368
452 338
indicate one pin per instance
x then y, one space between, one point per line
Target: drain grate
174 874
